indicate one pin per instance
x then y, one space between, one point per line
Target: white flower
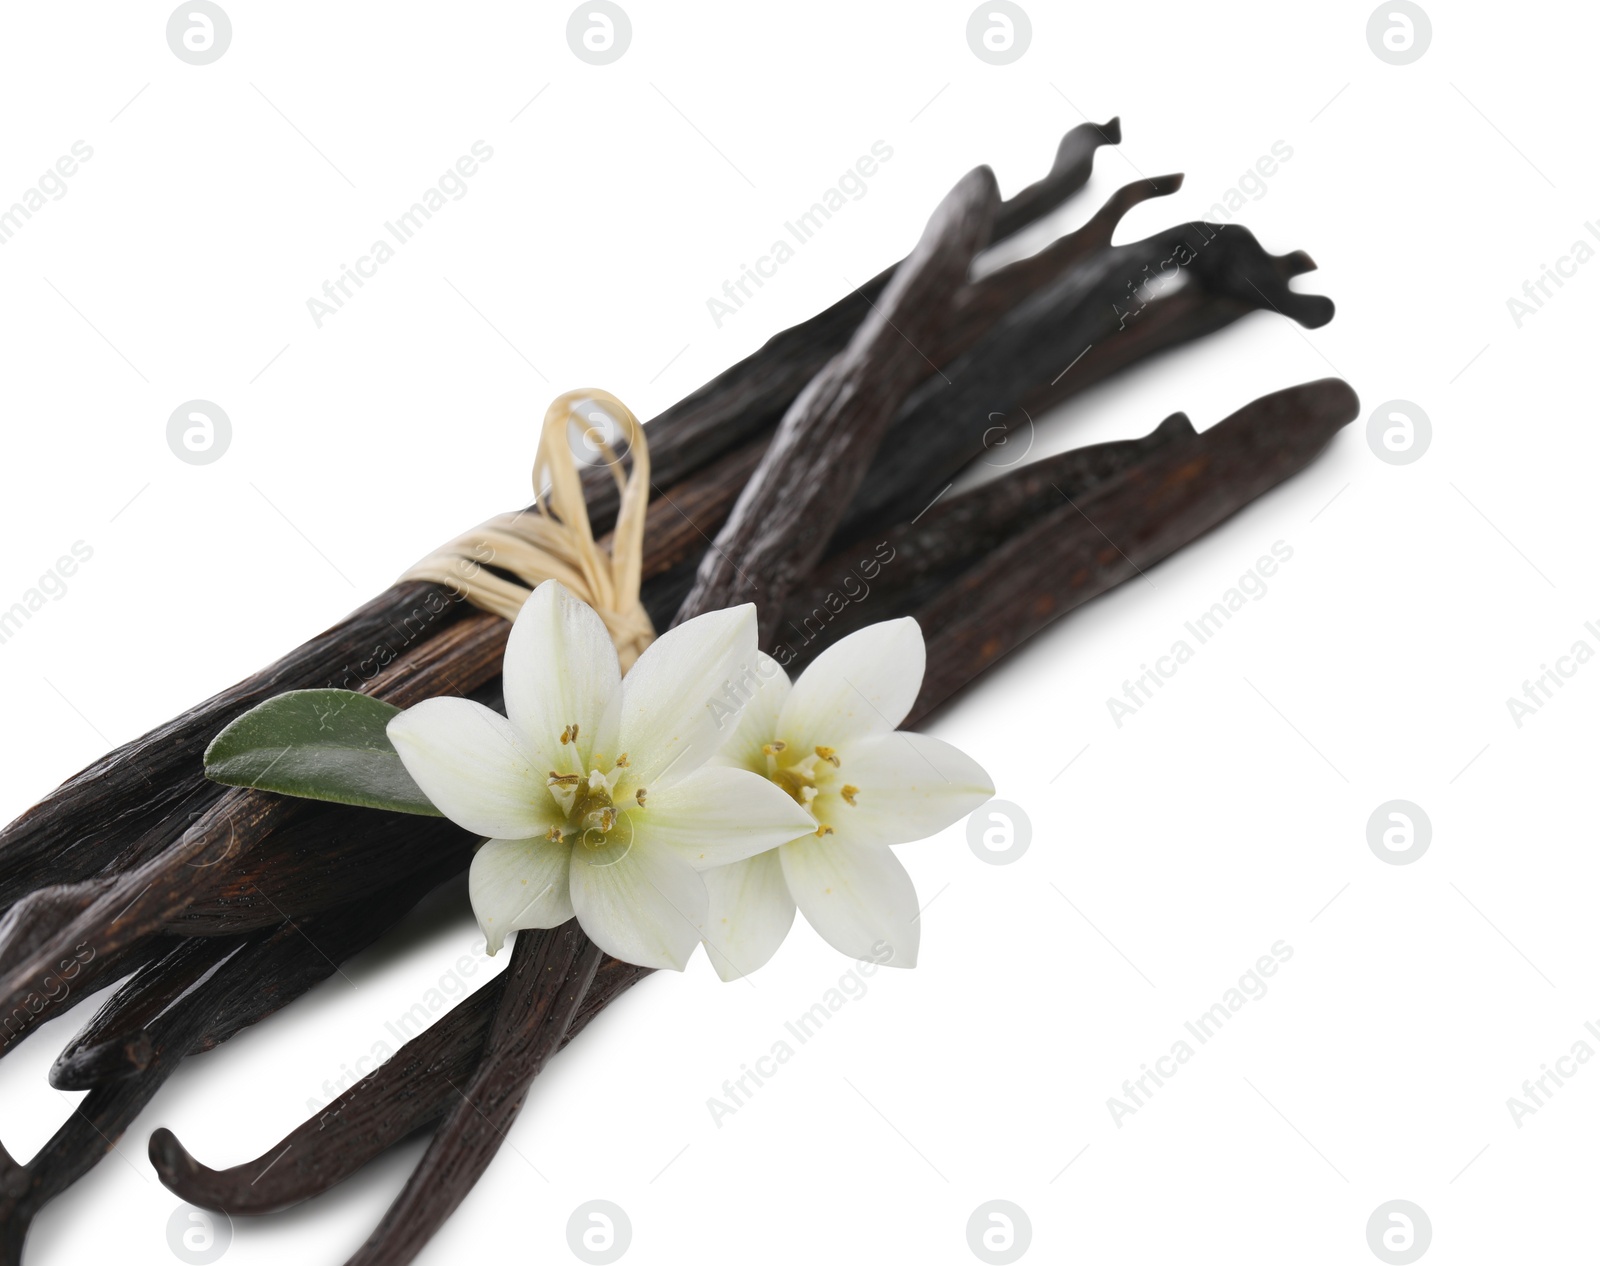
595 791
829 740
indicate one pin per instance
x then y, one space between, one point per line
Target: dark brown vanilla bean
117 1041
906 566
549 975
146 792
783 519
328 857
1035 344
1127 525
408 1092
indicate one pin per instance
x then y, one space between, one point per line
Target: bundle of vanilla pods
811 479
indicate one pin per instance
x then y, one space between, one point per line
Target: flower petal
906 787
471 762
860 900
516 884
640 904
758 719
560 670
719 815
675 706
863 684
751 912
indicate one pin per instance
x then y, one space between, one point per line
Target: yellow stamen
639 796
828 755
849 793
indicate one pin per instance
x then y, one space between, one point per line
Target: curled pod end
91 1066
178 1171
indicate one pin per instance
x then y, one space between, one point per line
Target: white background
1226 816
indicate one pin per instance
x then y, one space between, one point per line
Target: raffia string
553 540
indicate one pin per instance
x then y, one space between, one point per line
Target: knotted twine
497 564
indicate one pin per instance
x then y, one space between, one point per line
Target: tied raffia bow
497 564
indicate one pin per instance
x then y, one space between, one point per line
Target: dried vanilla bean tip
117 1041
783 519
989 298
411 1090
1122 528
1098 302
897 572
549 974
1170 319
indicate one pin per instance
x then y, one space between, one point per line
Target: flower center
592 809
587 801
805 776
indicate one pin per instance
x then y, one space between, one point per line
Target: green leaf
319 745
